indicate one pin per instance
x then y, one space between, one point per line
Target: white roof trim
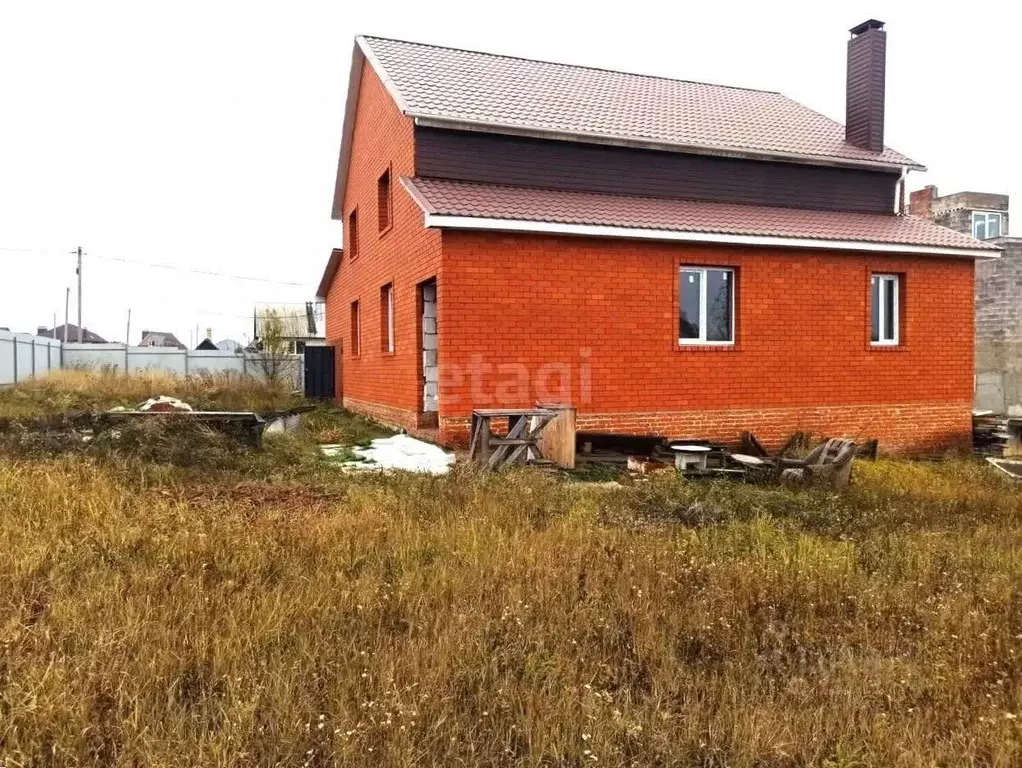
483 126
360 53
389 84
599 230
350 105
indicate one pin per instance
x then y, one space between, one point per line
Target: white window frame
702 340
390 317
987 215
881 310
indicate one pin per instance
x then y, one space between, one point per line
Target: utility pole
67 304
79 294
127 333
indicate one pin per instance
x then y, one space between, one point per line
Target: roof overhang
428 121
360 53
441 221
332 265
354 83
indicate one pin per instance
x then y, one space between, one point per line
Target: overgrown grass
329 425
37 421
73 390
147 618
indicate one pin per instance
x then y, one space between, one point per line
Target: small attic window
383 200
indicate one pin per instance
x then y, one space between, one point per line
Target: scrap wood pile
990 433
828 463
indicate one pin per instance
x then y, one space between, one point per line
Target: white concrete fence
23 356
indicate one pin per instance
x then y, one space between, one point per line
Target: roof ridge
565 64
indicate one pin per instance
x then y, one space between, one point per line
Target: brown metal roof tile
489 201
508 93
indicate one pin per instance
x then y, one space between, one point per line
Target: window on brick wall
707 305
986 225
356 330
383 202
353 234
387 317
885 310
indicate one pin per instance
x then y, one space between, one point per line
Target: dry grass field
279 611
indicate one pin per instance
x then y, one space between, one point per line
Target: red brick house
671 257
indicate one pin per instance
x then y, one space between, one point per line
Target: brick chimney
864 90
920 202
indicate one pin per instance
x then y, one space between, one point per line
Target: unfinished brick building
670 257
998 291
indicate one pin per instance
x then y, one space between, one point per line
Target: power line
301 316
34 250
198 271
174 267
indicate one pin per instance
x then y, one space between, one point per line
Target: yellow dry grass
507 620
91 389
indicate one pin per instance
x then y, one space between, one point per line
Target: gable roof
469 205
332 265
88 337
468 90
228 345
160 339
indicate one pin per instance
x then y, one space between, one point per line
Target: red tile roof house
671 257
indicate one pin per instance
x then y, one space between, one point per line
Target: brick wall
921 201
383 384
955 211
999 326
532 317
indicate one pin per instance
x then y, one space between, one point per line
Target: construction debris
163 404
1012 468
990 433
398 452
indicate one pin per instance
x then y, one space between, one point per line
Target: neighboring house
670 257
88 337
207 345
160 339
300 326
981 214
229 345
998 291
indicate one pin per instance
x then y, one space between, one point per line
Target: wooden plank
484 437
520 454
556 440
505 412
473 445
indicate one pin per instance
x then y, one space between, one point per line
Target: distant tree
274 357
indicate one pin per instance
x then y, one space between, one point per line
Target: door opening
430 367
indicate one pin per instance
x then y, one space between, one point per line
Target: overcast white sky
205 135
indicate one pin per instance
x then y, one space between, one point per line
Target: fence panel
215 362
6 357
23 355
